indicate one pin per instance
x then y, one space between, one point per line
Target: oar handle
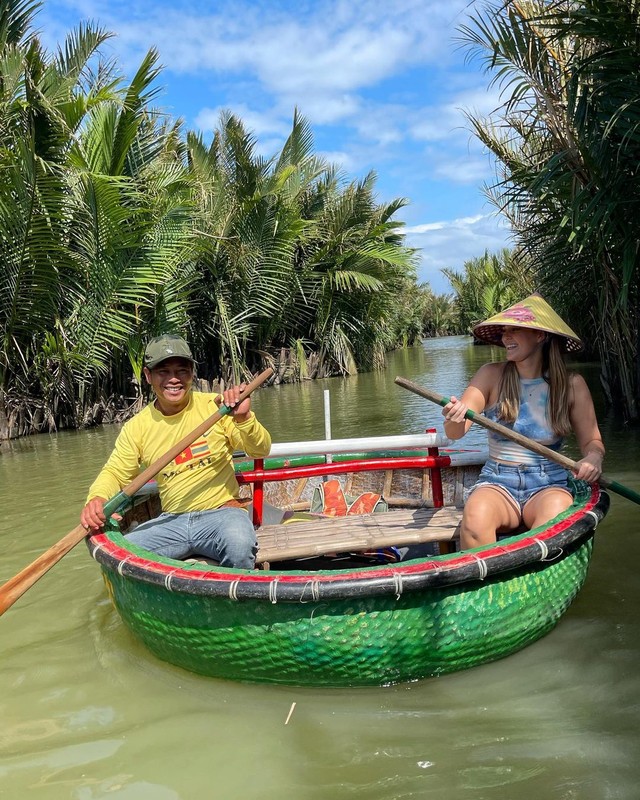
15 587
524 441
530 444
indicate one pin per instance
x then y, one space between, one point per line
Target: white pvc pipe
327 415
327 422
466 457
366 444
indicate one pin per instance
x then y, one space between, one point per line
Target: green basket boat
327 607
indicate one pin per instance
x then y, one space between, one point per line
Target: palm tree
567 141
93 214
489 284
244 239
42 101
286 255
129 231
114 227
351 263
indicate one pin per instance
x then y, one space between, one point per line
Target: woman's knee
486 513
487 506
545 506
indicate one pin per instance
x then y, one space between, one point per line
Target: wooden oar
524 441
18 585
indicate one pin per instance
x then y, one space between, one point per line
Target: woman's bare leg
545 505
487 512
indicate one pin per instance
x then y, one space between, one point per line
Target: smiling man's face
171 382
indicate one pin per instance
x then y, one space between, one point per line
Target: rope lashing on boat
95 548
273 589
544 551
167 580
233 590
482 566
121 565
397 581
596 518
543 548
315 590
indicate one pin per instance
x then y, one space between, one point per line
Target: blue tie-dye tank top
532 422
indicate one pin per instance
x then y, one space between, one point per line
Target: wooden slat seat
356 533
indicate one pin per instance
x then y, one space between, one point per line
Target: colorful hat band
533 313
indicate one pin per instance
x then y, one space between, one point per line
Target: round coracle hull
351 642
373 626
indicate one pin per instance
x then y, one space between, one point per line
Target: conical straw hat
533 312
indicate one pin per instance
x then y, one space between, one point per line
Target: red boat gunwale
525 550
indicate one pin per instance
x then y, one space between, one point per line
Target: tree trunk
618 349
4 422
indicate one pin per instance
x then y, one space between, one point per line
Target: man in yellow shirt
198 490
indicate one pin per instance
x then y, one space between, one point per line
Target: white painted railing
362 445
328 447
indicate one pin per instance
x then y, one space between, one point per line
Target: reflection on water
371 403
88 713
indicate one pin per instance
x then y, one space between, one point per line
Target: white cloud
324 108
480 100
449 243
335 47
448 120
427 227
339 158
467 170
260 124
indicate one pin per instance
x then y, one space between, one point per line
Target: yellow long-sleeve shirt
202 476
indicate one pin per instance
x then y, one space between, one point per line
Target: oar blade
14 588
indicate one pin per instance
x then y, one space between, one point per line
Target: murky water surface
87 713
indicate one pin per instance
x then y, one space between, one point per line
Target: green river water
87 713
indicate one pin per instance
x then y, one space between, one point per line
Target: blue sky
384 86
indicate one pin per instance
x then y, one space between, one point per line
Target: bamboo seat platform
356 533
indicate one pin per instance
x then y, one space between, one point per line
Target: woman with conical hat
532 393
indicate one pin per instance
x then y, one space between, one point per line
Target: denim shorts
522 482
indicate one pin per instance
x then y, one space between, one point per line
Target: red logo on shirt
185 455
197 450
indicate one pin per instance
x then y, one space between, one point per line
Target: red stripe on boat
121 554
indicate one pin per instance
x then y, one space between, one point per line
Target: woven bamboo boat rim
533 549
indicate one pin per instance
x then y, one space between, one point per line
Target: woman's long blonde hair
554 371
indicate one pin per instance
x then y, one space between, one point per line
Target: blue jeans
223 534
523 482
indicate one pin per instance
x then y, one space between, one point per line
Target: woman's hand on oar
18 585
455 410
524 441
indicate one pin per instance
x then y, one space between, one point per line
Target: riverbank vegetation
117 224
566 139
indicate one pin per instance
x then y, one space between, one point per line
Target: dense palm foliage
116 225
288 254
489 284
568 140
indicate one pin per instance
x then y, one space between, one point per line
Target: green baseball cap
166 346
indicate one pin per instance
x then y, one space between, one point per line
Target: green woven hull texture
351 642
